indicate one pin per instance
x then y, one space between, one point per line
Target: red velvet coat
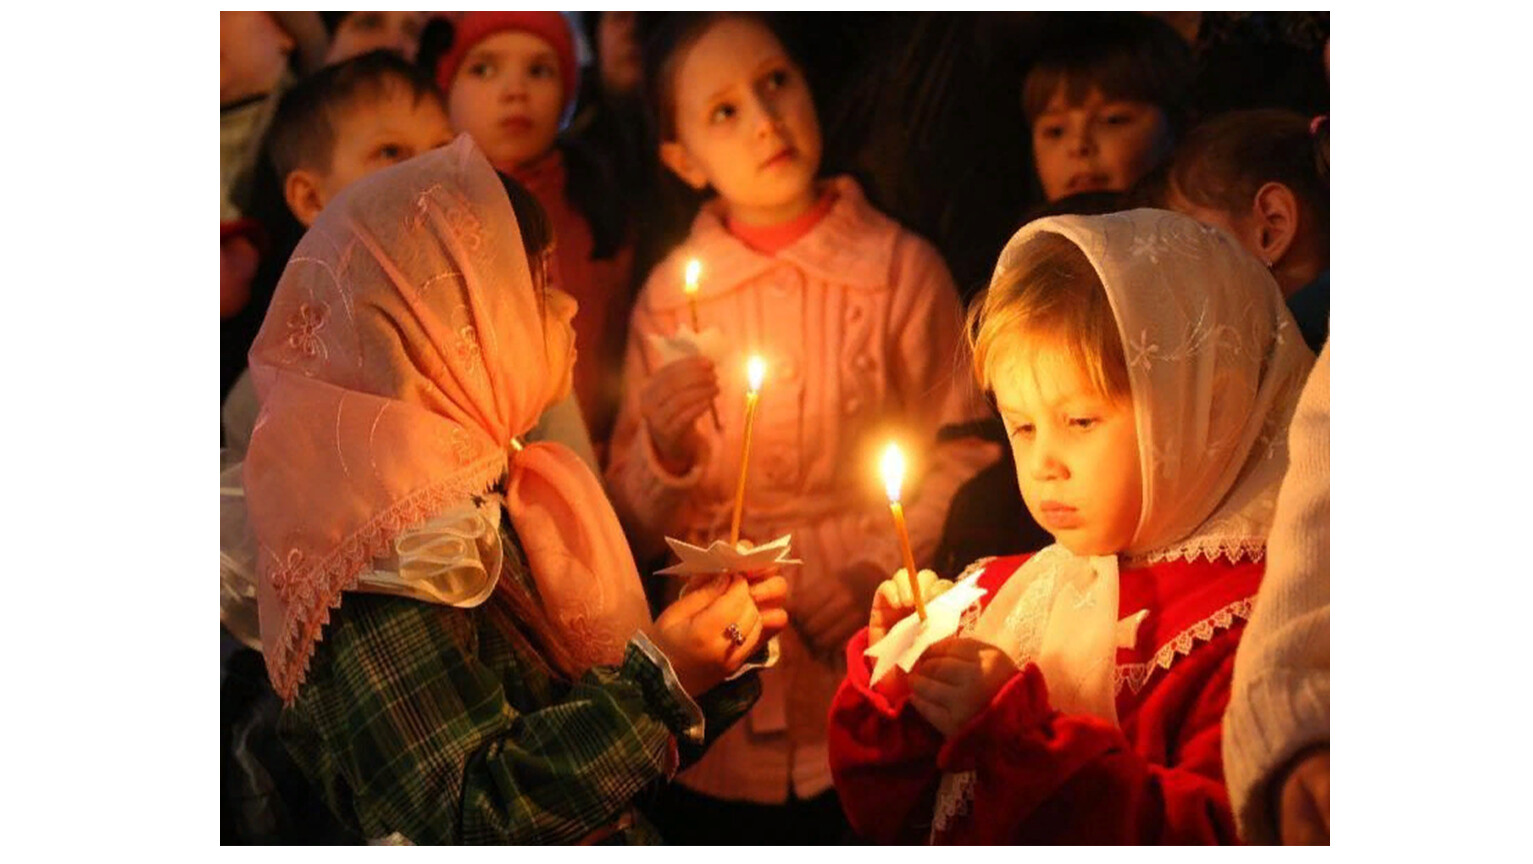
1046 777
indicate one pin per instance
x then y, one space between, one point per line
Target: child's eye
1121 118
722 112
543 70
393 153
1024 430
482 69
777 79
1083 423
1051 131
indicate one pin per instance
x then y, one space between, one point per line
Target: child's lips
782 157
1088 183
1056 516
517 125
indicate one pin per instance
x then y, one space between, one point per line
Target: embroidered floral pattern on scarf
402 354
1214 373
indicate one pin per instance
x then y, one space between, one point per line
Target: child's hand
1304 806
893 601
708 632
769 591
672 400
955 679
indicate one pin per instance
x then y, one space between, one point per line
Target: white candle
755 373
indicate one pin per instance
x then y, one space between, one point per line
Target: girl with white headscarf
453 617
1146 369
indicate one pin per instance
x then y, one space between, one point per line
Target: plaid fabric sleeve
405 725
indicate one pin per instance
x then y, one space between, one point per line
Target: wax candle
893 469
755 373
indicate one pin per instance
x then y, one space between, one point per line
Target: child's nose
1082 141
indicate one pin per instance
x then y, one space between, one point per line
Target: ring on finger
733 634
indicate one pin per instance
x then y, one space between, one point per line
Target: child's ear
1276 210
683 165
302 192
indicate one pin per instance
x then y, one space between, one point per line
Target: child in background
334 127
356 33
1146 369
510 80
452 617
1257 175
859 324
1104 99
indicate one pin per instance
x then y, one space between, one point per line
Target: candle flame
893 469
694 267
755 372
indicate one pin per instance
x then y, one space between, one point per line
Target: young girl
1104 99
858 322
1258 175
451 616
1146 369
510 80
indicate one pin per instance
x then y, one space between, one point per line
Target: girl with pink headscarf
452 616
1146 368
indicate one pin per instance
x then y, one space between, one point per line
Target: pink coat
862 332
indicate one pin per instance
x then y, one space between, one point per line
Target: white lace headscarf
1215 367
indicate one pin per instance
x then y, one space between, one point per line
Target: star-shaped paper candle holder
720 557
904 644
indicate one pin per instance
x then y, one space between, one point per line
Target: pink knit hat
474 27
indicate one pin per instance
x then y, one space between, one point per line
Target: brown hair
1224 162
667 41
1126 55
1052 295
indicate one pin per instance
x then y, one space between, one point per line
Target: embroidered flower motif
303 328
1141 351
467 346
1149 246
286 576
462 446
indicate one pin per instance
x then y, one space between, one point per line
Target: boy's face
621 66
1077 452
361 32
370 137
1098 145
252 54
508 96
745 123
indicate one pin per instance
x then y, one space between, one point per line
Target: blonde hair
1051 296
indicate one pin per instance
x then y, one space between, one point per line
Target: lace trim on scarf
1136 675
1231 549
312 590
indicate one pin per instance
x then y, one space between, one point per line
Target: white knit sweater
1281 698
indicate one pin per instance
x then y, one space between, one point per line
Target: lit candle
755 372
694 267
893 468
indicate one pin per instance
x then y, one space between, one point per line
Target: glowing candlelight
893 469
694 267
755 373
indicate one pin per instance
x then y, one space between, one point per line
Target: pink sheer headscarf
403 351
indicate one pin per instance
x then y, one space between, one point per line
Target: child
858 322
451 616
1257 175
355 33
510 80
1146 368
332 128
1104 99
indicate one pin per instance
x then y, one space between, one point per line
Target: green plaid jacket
426 720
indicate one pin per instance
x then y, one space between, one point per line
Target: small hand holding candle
893 469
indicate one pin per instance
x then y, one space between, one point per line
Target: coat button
865 362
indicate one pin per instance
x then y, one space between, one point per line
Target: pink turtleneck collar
771 239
